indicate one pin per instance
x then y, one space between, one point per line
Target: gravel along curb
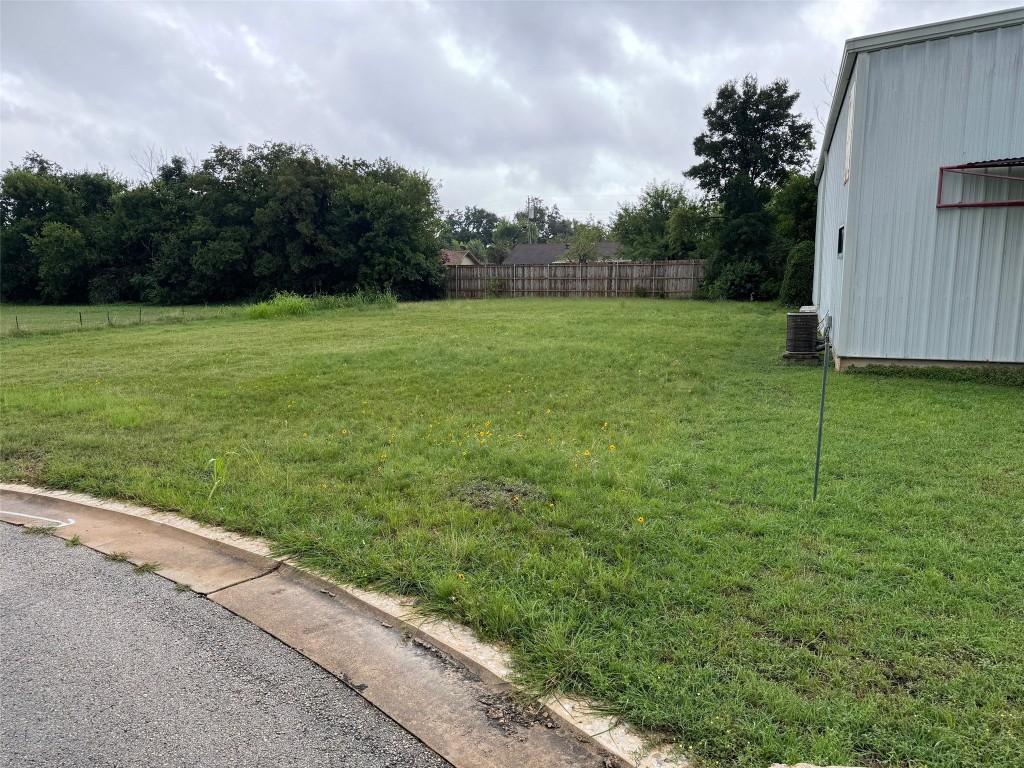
337 625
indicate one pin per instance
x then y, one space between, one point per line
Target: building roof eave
898 37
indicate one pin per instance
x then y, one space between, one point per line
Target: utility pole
529 220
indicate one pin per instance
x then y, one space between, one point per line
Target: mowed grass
618 489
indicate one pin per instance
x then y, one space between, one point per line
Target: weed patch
284 304
292 305
39 530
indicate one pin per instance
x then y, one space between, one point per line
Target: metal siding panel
928 283
833 201
1008 331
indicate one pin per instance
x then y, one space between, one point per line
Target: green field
31 319
618 489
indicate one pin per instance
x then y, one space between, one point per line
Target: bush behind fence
666 279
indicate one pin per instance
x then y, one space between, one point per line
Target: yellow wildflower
611 447
639 519
586 453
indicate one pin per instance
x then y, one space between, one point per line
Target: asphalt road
102 666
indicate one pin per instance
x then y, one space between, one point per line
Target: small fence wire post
17 327
108 320
81 323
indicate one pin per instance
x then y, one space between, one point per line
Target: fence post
81 323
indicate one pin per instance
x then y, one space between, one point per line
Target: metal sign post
821 411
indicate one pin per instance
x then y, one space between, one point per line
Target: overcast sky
578 103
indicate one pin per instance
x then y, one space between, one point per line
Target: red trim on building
965 170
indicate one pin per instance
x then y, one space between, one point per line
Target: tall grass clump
284 304
364 298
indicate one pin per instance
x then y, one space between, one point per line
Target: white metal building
919 257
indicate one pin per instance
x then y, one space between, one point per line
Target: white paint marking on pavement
58 523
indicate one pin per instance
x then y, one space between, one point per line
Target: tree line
248 222
490 238
242 223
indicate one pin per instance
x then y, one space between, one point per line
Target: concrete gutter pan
432 677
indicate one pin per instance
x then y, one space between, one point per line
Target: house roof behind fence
549 253
536 253
454 258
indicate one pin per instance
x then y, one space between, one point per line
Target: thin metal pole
821 413
80 321
17 327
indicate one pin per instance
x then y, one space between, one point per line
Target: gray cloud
580 103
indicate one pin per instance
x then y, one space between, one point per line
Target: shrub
742 280
495 288
798 282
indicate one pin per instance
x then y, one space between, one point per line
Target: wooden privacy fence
668 279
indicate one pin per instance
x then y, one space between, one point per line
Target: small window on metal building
842 237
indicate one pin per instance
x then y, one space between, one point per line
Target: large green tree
645 228
53 226
751 132
583 245
471 223
754 142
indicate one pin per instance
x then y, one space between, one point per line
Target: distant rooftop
549 253
536 253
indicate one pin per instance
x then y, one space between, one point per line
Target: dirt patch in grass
498 494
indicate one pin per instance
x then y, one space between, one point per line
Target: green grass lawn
618 489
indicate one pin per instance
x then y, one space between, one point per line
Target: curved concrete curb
239 573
